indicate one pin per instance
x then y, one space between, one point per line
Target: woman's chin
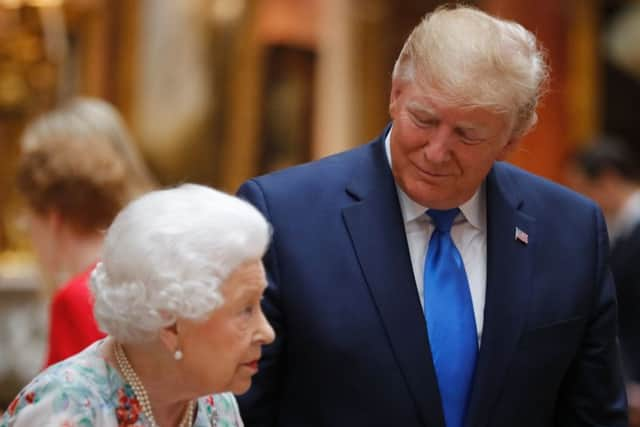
241 387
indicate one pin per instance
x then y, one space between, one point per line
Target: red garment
72 326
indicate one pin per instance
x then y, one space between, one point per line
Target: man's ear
610 180
396 90
508 148
169 337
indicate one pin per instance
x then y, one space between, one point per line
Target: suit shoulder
539 190
331 171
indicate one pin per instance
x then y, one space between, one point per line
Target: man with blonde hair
419 281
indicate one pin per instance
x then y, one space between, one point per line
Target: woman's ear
169 337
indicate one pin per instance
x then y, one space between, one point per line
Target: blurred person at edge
503 315
78 168
606 171
178 291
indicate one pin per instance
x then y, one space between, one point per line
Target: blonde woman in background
78 169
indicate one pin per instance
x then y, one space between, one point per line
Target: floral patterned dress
85 391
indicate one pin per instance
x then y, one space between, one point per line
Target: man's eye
469 137
426 122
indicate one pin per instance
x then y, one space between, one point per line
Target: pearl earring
177 355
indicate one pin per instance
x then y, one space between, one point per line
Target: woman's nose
266 332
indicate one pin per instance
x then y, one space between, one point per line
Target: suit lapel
376 227
509 271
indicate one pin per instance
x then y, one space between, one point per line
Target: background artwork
288 102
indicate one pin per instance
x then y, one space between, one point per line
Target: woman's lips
253 365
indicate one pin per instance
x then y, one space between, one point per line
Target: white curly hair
166 255
473 59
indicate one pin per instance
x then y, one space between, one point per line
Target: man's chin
430 197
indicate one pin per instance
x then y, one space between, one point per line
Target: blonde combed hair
472 59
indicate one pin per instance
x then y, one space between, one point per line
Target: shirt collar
628 217
473 210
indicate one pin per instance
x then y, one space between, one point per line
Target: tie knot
443 219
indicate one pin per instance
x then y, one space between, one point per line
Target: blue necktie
450 321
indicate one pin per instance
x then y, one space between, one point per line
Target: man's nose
437 148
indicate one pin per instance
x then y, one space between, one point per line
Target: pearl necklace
143 398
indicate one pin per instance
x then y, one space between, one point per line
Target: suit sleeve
593 392
259 406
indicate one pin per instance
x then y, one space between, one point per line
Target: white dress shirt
624 223
469 233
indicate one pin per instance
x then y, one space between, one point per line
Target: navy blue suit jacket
352 348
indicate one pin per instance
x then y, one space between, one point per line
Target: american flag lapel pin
521 236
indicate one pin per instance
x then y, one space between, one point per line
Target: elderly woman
178 291
79 167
